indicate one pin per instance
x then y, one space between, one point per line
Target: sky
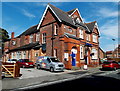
19 16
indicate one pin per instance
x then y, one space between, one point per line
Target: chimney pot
12 35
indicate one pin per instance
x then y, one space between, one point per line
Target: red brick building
60 34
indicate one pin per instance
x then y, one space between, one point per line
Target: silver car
50 63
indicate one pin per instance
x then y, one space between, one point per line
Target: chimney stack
12 35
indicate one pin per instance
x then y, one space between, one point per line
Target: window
36 54
70 29
24 54
88 37
94 51
31 38
78 20
44 38
55 52
81 34
56 29
81 52
66 56
13 42
94 38
38 36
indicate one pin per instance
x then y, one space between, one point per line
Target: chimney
12 35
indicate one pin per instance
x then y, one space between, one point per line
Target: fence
11 69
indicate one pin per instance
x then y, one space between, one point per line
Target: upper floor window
13 42
38 36
95 38
78 20
56 29
81 34
31 38
44 38
70 29
88 37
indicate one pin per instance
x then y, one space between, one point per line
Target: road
100 80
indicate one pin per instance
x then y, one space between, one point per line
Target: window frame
44 37
81 52
31 38
81 34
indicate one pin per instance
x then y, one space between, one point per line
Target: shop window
94 52
81 52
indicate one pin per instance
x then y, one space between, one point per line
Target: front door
73 59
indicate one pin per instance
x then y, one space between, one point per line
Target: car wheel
23 66
114 68
38 67
51 69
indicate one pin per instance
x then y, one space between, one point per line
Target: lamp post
113 49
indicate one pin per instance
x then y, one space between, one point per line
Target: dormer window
78 20
13 42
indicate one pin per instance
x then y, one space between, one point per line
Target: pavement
33 78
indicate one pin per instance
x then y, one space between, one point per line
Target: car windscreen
54 60
106 62
26 60
14 60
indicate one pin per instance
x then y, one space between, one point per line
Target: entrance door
73 59
74 52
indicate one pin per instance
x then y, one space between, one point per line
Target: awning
89 45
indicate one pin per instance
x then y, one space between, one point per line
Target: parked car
110 65
50 63
119 62
11 61
25 63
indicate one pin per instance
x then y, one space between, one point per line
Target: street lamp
114 48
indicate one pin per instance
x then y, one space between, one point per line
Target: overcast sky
19 16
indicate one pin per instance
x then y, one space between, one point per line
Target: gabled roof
71 11
30 30
60 15
91 25
28 46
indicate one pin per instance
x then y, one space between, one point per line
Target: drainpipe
52 38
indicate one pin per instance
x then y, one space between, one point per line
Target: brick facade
61 45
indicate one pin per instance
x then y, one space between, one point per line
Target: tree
3 37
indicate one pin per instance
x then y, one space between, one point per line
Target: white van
50 63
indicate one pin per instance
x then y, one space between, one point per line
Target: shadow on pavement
86 83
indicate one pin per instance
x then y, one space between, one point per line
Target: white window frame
31 39
81 52
81 35
95 38
38 36
44 38
56 29
55 53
